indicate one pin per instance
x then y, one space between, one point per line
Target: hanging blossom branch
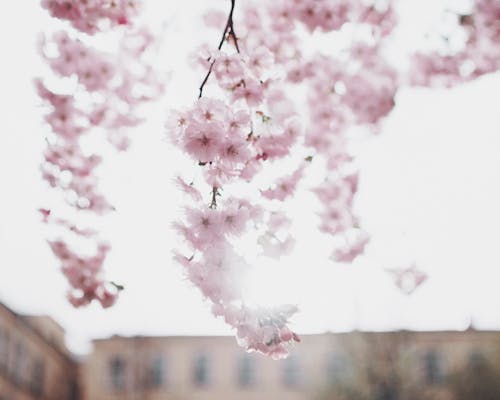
251 128
231 140
110 88
269 41
356 88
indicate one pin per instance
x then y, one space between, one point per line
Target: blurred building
357 365
34 363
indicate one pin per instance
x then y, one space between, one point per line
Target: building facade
357 365
34 363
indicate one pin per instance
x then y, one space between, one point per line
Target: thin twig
228 30
215 193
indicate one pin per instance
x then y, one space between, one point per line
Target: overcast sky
429 193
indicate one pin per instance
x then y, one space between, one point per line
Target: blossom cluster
357 91
252 124
228 143
255 125
91 16
232 138
109 89
329 16
356 88
480 54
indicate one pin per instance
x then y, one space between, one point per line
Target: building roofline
21 319
52 320
177 337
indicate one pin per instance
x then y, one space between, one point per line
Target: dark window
201 370
18 363
38 377
73 391
385 391
246 371
157 374
117 373
433 367
4 349
339 368
291 372
476 359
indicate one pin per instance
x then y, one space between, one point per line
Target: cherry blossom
242 133
230 139
408 279
91 16
110 88
480 53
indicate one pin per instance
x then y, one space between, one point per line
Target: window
157 372
476 359
201 370
73 391
4 349
117 373
246 371
339 368
385 391
291 372
433 368
38 377
18 363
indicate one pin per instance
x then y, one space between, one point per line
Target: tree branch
228 30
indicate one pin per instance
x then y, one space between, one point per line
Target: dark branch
228 30
215 193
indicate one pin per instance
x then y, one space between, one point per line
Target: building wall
32 365
375 365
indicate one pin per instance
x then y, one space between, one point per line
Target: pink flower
235 150
206 224
228 70
285 187
408 279
219 173
238 122
351 250
260 60
234 218
92 16
45 214
207 110
251 168
249 90
202 141
189 189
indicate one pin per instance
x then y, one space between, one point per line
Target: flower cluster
252 125
329 16
480 54
256 124
91 16
231 139
356 88
357 91
109 88
83 274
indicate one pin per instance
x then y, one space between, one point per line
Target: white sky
429 192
